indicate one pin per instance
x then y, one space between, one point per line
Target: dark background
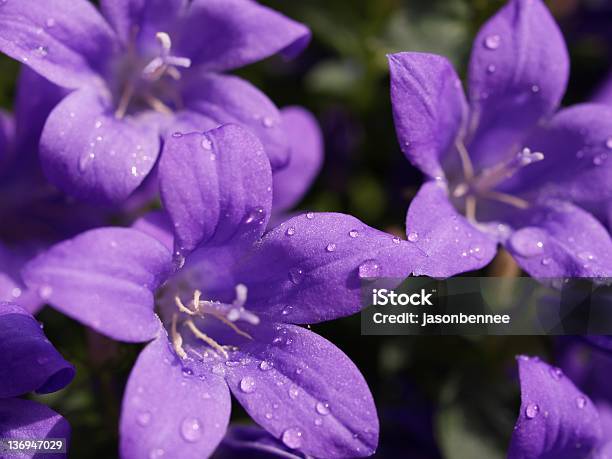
342 77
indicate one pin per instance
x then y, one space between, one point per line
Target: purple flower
139 70
556 419
228 298
29 363
501 166
33 212
291 183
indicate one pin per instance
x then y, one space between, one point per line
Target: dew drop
156 453
546 261
290 231
265 365
581 402
296 276
16 292
134 171
556 373
532 410
353 233
322 408
85 161
492 41
191 429
396 240
206 144
413 236
255 215
177 134
268 415
526 242
42 51
310 215
45 292
267 121
144 419
50 22
491 69
318 421
535 88
292 438
247 385
330 247
293 392
369 269
287 310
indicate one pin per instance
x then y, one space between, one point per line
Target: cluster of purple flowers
131 104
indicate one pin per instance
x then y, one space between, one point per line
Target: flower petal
104 278
291 183
90 154
558 239
448 242
67 41
28 360
518 73
251 442
167 412
235 33
313 398
315 264
556 419
36 97
229 99
216 187
429 107
147 17
577 167
28 420
7 140
157 225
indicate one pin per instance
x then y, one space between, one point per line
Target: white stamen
164 41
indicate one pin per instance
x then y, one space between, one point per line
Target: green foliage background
462 389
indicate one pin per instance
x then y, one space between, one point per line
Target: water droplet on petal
16 292
296 276
526 242
491 69
532 410
290 231
42 51
247 384
191 429
310 215
492 41
267 121
287 310
609 143
353 233
581 402
322 408
396 240
255 215
330 247
265 365
45 292
292 438
206 144
143 419
556 373
318 421
535 88
50 22
156 453
293 392
546 261
177 134
413 236
369 269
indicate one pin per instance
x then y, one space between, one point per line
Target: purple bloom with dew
29 363
34 213
501 165
230 298
140 70
556 419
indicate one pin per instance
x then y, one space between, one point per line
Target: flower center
148 84
482 185
198 311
